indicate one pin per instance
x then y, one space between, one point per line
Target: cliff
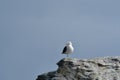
104 68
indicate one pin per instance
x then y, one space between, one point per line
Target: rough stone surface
104 68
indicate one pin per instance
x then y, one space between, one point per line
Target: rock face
105 68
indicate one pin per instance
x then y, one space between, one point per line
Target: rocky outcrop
107 68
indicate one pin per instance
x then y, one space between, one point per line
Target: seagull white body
68 49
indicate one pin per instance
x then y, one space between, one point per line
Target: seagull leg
67 55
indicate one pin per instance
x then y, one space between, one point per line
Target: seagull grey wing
65 49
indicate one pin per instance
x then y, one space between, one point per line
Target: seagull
68 49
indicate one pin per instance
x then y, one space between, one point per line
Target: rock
104 68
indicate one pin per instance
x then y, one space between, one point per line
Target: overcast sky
34 32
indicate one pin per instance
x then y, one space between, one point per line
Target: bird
68 49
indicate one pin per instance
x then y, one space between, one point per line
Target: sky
34 32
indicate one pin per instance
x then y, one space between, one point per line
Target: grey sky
33 33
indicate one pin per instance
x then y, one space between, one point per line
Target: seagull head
69 43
